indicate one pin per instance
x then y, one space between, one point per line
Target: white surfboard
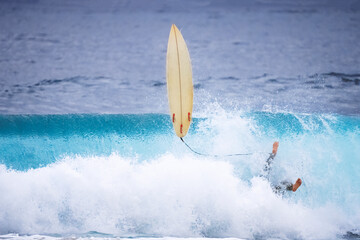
179 82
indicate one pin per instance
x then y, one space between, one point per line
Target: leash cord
214 155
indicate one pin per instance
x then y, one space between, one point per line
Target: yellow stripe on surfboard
179 82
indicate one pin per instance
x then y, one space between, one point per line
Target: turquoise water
129 175
31 141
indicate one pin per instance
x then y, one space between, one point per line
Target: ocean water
130 176
87 149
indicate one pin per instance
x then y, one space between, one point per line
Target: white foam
168 196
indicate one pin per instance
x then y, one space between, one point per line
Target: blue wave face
32 141
129 175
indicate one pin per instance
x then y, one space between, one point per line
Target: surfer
284 185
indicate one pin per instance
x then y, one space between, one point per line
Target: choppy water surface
92 57
263 71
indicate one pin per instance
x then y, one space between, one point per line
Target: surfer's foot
275 148
296 185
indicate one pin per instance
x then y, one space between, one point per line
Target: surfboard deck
179 82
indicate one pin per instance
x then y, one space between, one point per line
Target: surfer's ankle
296 185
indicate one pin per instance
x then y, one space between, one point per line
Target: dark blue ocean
87 148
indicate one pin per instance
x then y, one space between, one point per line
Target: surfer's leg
267 167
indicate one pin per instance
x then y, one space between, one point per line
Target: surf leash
215 155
